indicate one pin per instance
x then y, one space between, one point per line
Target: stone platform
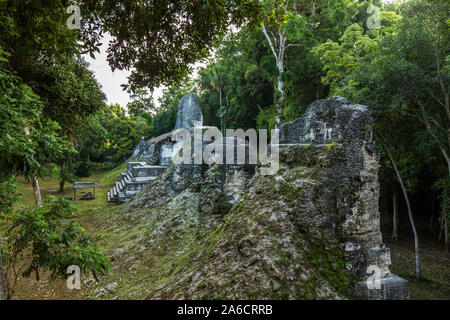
138 175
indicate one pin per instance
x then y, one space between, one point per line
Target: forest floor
434 284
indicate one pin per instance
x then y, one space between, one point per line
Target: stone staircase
138 175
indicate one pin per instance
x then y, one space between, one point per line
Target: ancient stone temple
309 231
151 158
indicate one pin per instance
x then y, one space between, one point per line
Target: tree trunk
34 179
62 178
36 189
62 181
411 219
278 47
445 229
395 214
221 115
280 88
3 295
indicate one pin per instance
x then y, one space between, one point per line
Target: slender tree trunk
221 116
278 47
280 88
62 178
395 214
411 219
34 179
36 189
445 223
3 295
62 182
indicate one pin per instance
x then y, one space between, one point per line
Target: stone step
139 174
147 171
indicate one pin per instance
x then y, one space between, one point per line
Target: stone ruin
335 144
151 158
348 205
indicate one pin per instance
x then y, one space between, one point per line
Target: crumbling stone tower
347 208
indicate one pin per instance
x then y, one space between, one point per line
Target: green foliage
331 146
70 92
176 33
266 118
21 111
44 238
122 132
83 169
339 60
8 195
164 121
244 86
247 70
141 104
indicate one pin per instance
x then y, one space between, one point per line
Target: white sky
111 81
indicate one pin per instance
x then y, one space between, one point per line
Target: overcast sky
111 81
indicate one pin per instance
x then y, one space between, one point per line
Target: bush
83 169
40 238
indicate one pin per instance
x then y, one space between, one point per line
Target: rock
152 157
141 146
100 292
89 281
327 121
111 287
188 112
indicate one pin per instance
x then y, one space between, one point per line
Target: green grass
50 187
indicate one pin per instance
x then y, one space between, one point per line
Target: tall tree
295 23
160 40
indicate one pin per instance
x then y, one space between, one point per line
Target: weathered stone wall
349 188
